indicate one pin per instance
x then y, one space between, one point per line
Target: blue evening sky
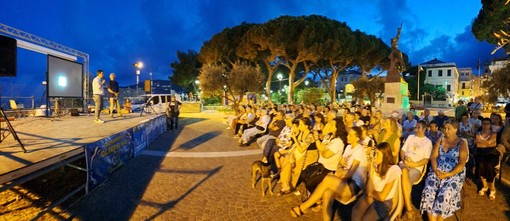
117 33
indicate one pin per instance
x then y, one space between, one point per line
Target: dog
265 172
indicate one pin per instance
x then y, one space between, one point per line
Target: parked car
157 101
499 106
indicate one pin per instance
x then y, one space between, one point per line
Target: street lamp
306 83
280 77
418 92
150 74
138 66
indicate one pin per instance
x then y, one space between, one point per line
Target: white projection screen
65 78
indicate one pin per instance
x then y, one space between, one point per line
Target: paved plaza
199 172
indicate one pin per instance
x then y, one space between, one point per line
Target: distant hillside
158 87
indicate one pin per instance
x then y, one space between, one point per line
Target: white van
157 101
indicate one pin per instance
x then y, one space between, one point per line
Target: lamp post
280 77
138 66
150 74
418 91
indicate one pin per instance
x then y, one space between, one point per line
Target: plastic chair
14 107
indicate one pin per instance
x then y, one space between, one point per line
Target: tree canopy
185 71
498 85
493 17
301 44
217 79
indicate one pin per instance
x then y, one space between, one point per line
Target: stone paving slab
157 187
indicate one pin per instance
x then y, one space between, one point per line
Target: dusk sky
118 33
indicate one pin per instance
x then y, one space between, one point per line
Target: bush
310 96
212 101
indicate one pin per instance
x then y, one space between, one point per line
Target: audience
390 136
347 181
303 153
487 158
414 157
408 125
357 152
440 119
378 199
433 133
442 193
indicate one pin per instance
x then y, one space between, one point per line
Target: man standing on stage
113 89
97 91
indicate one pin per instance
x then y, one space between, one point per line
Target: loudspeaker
8 55
147 86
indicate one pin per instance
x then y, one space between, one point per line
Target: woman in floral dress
441 195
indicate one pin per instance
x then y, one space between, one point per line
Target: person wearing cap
113 90
440 119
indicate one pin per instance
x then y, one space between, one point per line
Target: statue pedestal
395 97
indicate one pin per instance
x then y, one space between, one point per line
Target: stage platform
49 141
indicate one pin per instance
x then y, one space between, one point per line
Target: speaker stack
8 51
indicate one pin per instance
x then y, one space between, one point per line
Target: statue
396 60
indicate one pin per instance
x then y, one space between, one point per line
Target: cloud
463 49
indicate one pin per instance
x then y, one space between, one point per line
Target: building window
448 87
462 93
449 73
440 73
430 73
463 86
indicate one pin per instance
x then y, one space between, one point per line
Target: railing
21 102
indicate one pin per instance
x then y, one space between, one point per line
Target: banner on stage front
139 138
105 156
155 128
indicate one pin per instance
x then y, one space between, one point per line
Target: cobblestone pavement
164 185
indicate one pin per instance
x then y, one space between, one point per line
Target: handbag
313 175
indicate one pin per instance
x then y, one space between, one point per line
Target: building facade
468 84
443 74
345 78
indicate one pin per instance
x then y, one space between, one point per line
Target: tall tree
185 70
254 46
221 49
217 79
492 23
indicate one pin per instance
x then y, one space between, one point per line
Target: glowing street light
306 83
138 66
280 77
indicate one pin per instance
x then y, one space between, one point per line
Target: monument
395 88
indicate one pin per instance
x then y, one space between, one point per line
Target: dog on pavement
259 167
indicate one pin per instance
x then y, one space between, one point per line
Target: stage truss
38 41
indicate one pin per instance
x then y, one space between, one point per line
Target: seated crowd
372 160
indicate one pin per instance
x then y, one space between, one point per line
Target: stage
51 141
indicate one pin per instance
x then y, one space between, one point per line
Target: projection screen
65 78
